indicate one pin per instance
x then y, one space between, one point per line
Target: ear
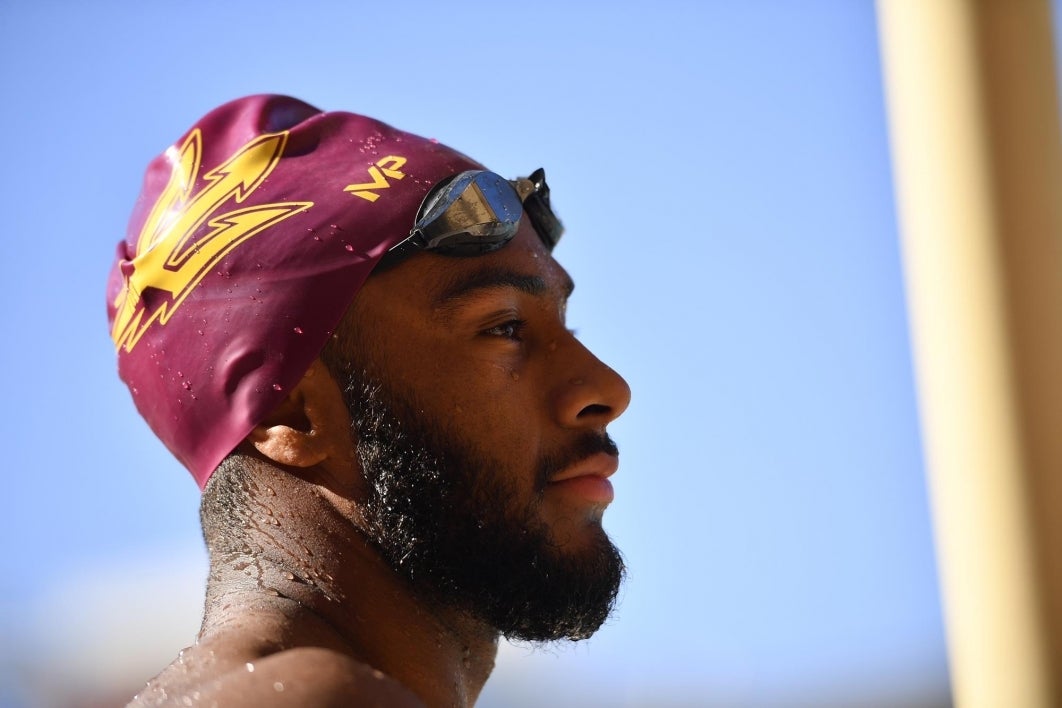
311 426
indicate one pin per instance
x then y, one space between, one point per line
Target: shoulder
309 677
312 676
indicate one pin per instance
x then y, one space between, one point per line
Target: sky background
722 169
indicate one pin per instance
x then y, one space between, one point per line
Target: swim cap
249 240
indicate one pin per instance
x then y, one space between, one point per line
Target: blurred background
722 168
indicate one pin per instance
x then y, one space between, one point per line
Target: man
397 468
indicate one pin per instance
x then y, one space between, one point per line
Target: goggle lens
477 211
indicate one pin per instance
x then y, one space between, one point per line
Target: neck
322 583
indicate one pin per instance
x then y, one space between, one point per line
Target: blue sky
722 169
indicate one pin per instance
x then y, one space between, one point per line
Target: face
481 422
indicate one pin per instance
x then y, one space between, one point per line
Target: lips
601 465
588 478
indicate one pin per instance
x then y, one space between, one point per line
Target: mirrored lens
475 213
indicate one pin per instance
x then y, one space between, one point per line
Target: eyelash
508 330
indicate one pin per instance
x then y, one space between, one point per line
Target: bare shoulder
308 677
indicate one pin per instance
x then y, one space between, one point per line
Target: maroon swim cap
251 236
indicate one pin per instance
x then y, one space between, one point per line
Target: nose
589 393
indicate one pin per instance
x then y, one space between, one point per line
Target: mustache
583 447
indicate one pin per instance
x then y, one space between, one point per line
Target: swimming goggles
476 212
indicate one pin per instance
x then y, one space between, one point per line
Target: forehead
434 280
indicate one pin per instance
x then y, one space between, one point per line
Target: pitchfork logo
167 259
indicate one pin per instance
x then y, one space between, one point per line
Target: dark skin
312 616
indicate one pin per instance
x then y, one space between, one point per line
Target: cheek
493 404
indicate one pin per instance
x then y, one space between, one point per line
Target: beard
451 520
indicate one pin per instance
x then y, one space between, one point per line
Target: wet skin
480 345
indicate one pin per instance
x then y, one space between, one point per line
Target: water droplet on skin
278 687
289 575
250 667
298 330
270 492
278 387
377 674
348 247
514 376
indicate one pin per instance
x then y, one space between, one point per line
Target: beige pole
977 156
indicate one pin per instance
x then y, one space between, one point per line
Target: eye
507 330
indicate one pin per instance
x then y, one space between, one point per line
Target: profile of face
480 426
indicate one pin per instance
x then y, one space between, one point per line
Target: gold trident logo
166 258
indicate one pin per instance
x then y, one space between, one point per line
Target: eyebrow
468 285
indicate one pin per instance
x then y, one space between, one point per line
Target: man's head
477 419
